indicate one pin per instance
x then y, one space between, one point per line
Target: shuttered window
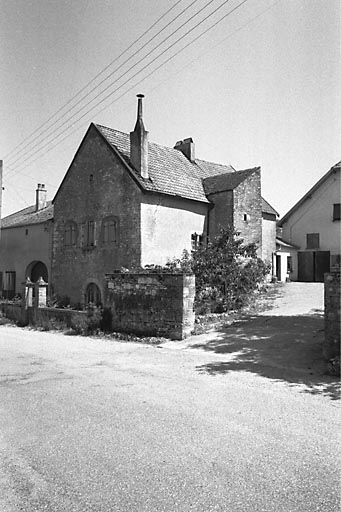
313 240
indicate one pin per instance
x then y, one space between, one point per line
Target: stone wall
97 186
151 304
248 202
43 317
332 317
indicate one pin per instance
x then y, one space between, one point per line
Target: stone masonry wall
332 316
97 186
151 304
248 201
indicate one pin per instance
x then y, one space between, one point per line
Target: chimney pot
139 142
40 197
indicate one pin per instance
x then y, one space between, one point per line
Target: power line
122 75
189 63
96 76
132 77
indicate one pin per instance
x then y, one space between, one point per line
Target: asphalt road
98 425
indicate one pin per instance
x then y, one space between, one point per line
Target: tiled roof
267 208
229 181
170 172
28 216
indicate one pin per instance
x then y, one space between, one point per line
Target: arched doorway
37 269
93 294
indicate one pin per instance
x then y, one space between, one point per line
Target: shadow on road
281 348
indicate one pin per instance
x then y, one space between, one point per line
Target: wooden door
305 271
322 265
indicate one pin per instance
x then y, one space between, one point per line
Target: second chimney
40 196
139 142
187 147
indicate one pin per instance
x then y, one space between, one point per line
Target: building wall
166 227
221 214
248 201
268 238
96 186
315 215
21 246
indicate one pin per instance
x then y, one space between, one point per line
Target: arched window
70 234
109 230
93 294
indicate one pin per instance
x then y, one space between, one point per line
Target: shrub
226 271
90 323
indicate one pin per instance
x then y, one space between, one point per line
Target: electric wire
132 77
56 128
96 76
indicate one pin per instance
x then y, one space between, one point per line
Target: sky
261 87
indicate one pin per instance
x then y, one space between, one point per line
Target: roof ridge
214 163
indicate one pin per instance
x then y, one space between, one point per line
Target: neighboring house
26 245
311 229
126 202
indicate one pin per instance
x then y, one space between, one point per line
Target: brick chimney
139 143
187 147
40 196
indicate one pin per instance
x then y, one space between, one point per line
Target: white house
311 230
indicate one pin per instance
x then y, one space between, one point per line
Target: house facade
26 245
126 202
312 229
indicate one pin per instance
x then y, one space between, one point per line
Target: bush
89 324
227 271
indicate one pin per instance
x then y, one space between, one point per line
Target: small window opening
246 217
337 211
196 241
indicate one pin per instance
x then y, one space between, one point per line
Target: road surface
218 424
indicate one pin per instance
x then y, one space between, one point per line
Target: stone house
26 245
127 202
311 230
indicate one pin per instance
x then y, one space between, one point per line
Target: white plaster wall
268 239
166 228
315 215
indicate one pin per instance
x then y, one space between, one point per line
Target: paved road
97 425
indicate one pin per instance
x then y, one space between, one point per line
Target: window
70 234
196 241
93 294
313 240
90 233
337 211
8 285
246 217
109 230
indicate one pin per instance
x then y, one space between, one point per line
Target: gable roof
170 172
306 196
267 208
224 182
28 216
